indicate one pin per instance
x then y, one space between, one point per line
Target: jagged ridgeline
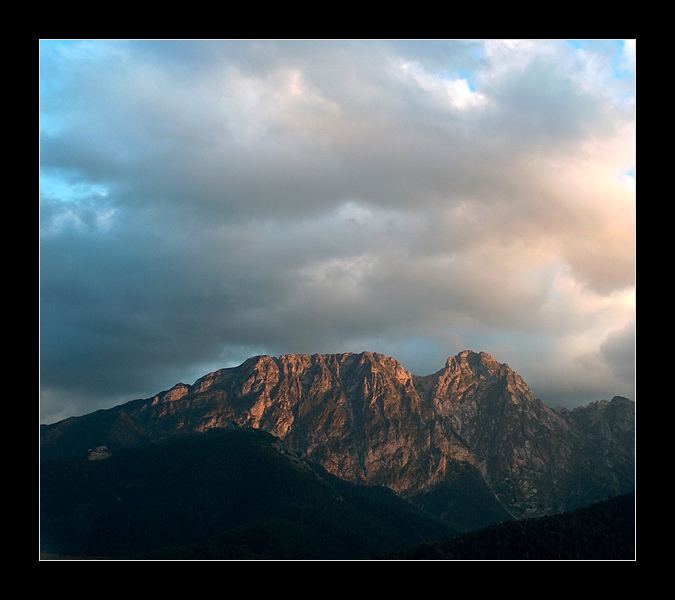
470 443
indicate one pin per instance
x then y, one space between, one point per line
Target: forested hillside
603 531
239 495
230 495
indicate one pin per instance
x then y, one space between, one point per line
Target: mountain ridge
366 419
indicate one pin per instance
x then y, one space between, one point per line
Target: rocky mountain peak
365 418
472 363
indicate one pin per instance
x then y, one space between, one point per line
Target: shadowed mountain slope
222 495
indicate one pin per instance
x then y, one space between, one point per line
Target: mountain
237 494
469 443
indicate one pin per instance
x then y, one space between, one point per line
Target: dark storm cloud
203 201
618 351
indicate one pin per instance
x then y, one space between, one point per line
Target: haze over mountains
473 425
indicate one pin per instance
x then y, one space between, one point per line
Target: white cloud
629 182
454 93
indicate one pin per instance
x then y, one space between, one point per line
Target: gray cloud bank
204 201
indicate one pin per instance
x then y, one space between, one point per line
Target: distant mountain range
464 448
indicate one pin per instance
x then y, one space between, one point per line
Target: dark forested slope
603 531
227 495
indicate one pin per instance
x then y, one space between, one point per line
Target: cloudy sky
205 201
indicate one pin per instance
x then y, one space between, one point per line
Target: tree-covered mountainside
241 495
227 495
603 531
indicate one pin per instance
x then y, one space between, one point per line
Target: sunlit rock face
366 419
524 449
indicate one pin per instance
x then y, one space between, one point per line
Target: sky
205 201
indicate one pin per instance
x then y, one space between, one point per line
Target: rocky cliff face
366 419
522 447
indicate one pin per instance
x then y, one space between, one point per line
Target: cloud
618 352
202 201
455 93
